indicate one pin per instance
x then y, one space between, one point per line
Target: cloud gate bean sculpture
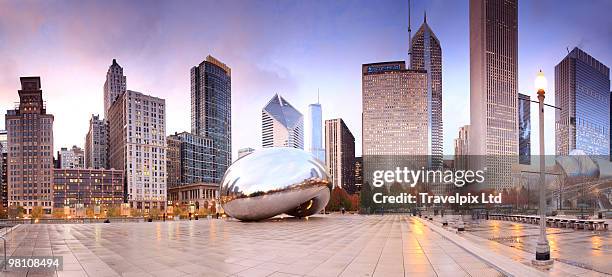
275 181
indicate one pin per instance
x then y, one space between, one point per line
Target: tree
154 213
3 212
15 211
365 198
354 198
339 199
89 212
113 211
58 213
37 212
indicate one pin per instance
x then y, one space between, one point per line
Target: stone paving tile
334 245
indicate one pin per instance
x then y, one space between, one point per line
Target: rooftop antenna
409 38
317 95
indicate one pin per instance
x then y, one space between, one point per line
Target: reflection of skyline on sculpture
274 181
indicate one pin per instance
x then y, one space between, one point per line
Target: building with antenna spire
426 54
315 129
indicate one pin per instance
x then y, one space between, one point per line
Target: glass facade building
282 125
582 91
427 55
211 112
524 128
316 133
190 160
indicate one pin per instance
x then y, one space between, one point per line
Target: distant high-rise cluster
282 124
71 158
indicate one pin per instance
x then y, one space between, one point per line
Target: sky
293 48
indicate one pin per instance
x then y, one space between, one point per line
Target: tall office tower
395 115
196 159
137 145
114 86
30 151
582 91
427 55
340 154
96 144
211 110
71 158
282 125
3 169
245 151
358 172
524 128
493 89
462 148
316 133
173 160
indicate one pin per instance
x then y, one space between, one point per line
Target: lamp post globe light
542 248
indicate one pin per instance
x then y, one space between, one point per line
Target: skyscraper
340 154
3 168
71 158
493 89
462 148
427 55
96 144
137 145
524 128
173 161
211 111
582 91
395 116
195 159
358 172
30 151
114 86
282 125
316 133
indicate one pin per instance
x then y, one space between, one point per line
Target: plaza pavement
331 245
576 252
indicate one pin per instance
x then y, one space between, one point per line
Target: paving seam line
493 259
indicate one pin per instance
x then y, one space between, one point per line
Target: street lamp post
542 247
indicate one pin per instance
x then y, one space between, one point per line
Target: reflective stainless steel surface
577 167
274 181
